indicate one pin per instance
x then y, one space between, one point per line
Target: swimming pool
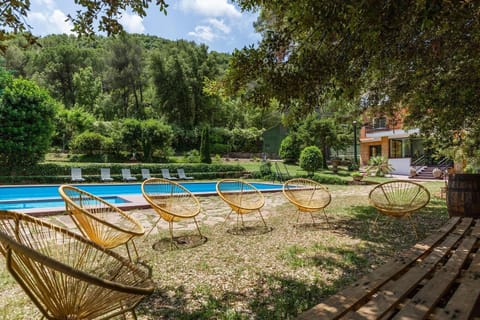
47 196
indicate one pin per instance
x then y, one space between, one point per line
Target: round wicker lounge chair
172 201
242 197
308 196
399 199
66 275
100 221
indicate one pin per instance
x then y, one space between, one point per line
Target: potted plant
379 166
335 162
357 176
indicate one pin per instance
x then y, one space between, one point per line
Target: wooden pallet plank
337 305
390 295
464 301
467 296
425 300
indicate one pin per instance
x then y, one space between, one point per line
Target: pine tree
205 146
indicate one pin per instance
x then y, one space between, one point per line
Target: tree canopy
103 14
417 55
26 114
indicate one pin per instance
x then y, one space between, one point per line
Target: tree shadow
275 296
271 297
364 222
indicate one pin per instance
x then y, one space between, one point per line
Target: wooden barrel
463 195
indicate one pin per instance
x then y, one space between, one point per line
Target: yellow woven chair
66 275
100 221
399 199
172 201
242 197
308 196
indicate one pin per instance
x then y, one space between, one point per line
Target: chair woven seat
66 275
399 198
241 196
98 220
307 195
171 201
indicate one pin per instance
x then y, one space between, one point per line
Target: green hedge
328 179
60 172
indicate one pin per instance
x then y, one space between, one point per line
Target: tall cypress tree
205 146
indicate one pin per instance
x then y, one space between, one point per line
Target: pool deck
214 210
136 201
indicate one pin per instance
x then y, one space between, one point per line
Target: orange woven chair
308 196
399 199
100 221
172 201
242 197
66 275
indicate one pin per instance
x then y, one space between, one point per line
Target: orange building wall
365 150
364 153
395 123
385 147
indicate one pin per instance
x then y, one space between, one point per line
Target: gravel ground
257 275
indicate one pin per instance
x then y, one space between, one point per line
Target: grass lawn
275 275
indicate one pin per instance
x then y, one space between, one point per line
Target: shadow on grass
282 297
271 297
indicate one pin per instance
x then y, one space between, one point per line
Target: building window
400 148
375 151
380 123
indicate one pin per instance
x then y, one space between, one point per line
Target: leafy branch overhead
107 13
419 55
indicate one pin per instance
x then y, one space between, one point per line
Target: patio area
275 275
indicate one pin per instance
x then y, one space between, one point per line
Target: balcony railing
370 129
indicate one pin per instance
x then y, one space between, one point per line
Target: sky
217 23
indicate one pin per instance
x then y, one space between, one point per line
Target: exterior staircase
424 169
425 173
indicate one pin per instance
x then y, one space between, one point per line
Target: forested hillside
136 93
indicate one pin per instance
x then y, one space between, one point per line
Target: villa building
385 136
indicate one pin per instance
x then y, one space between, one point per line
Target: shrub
220 148
26 114
328 179
90 143
353 167
266 169
60 173
246 140
289 150
311 159
192 156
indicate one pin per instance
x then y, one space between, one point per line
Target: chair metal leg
261 216
374 224
226 218
298 216
154 225
134 249
313 219
326 218
128 252
170 229
243 222
198 229
413 225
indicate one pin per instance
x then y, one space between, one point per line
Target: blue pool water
45 203
31 197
